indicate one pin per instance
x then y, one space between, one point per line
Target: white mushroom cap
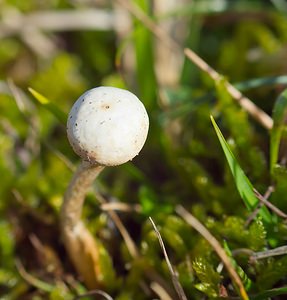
108 126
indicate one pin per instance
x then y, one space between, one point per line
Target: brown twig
94 292
264 119
174 275
275 209
244 251
266 196
119 206
149 23
269 253
198 226
157 281
131 246
261 254
162 294
258 114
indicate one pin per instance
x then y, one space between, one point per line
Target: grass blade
243 184
279 116
258 82
144 59
270 293
51 107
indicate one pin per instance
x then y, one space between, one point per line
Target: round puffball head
107 126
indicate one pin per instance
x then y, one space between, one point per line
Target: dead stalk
174 274
259 115
198 226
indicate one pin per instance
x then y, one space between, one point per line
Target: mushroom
107 126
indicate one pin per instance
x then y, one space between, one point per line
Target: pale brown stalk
174 274
254 111
79 243
259 115
264 201
158 284
198 226
131 246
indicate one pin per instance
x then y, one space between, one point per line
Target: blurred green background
61 48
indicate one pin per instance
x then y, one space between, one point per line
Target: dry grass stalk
269 253
162 294
199 227
264 200
255 212
131 246
156 280
120 206
174 275
93 293
259 115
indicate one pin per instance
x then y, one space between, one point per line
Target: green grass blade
243 184
145 59
243 276
258 82
51 107
185 106
270 293
279 117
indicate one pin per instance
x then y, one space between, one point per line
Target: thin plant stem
93 293
266 196
275 209
80 244
122 207
244 251
33 281
261 254
162 294
269 253
259 115
156 280
198 226
131 246
254 111
174 275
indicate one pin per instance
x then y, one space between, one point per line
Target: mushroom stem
76 192
106 126
80 244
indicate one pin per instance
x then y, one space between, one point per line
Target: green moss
181 163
